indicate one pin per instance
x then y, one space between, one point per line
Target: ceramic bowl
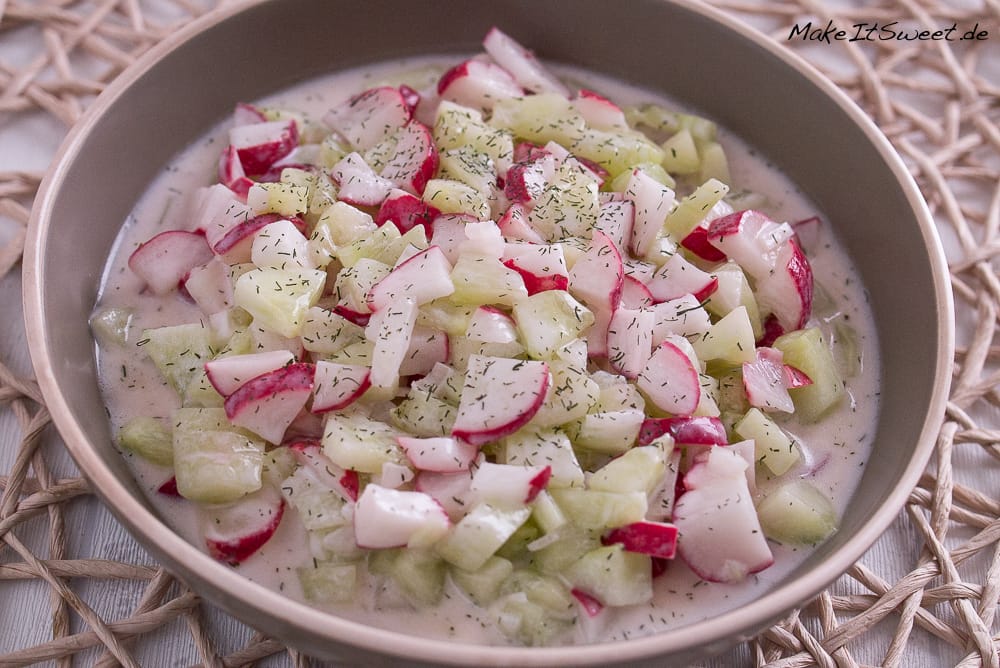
721 68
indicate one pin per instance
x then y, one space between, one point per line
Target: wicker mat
939 103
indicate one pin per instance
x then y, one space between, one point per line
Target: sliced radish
415 159
227 374
358 182
764 381
234 532
701 430
720 535
635 294
164 261
337 386
428 348
521 64
787 292
525 181
678 277
500 396
670 380
697 242
441 454
369 117
630 341
657 539
424 277
514 225
542 266
451 490
509 485
169 488
807 232
795 377
386 518
309 453
216 210
589 604
616 218
750 238
236 245
599 111
477 84
231 172
259 145
247 114
406 211
267 404
596 280
210 286
652 201
391 328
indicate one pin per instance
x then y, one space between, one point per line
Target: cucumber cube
594 509
772 446
797 513
483 585
479 534
548 320
278 299
806 350
216 466
328 582
178 351
150 438
613 576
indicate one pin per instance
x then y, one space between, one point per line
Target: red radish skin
231 173
700 430
169 488
268 403
164 261
370 116
788 291
764 381
411 98
657 539
356 317
477 84
423 277
309 452
415 161
406 211
500 396
337 386
235 245
440 455
590 605
697 242
635 294
795 377
670 380
260 145
247 114
234 533
228 374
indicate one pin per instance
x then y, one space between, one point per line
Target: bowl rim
246 599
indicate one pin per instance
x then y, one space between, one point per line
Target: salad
499 335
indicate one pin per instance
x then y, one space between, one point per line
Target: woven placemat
937 101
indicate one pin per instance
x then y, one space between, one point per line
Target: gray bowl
800 120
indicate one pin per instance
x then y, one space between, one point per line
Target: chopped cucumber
149 438
797 513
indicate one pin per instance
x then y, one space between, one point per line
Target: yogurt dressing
835 450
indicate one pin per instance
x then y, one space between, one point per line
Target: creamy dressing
836 449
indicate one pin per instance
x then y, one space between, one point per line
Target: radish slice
337 386
477 84
369 117
267 404
441 454
233 533
227 374
522 64
657 539
392 518
670 380
764 381
165 260
499 397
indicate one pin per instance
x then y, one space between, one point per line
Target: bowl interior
829 148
